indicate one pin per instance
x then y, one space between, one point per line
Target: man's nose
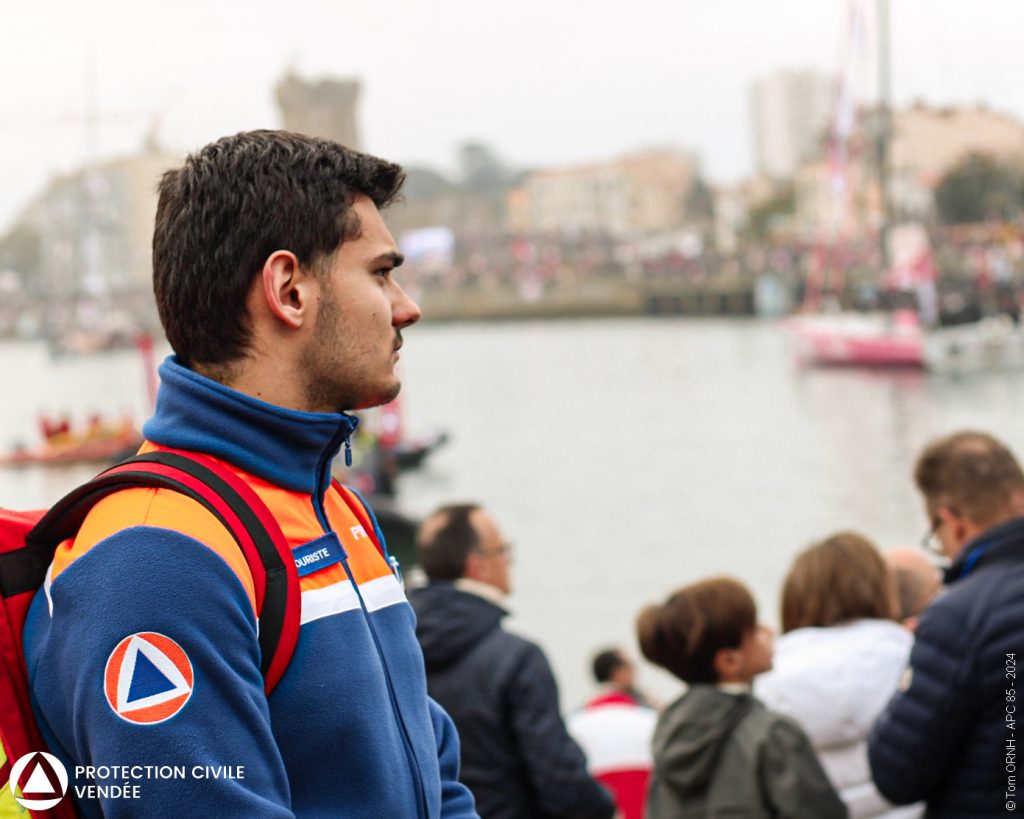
404 311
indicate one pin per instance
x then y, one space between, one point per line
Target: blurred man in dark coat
517 758
948 738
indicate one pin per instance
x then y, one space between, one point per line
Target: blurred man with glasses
517 758
944 737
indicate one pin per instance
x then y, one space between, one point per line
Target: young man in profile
273 274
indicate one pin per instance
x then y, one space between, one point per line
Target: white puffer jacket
835 682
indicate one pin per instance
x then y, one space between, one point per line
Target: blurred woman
839 660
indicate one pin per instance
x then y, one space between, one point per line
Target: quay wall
591 299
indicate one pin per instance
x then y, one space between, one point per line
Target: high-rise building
790 111
324 108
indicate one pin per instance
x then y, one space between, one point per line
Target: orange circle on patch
148 678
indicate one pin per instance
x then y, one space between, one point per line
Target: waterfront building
639 194
95 225
926 143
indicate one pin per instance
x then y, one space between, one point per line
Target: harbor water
623 457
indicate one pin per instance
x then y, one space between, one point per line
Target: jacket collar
286 447
450 622
994 544
492 594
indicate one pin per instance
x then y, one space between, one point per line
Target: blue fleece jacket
145 665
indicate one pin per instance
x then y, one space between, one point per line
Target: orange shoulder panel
364 561
293 511
162 509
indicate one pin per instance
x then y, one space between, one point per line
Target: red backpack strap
239 509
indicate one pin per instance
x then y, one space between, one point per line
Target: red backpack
28 541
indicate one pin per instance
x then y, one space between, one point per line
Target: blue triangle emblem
147 679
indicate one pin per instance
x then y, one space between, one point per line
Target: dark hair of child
684 633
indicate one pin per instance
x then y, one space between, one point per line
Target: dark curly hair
684 633
229 207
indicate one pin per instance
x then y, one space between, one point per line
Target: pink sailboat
823 334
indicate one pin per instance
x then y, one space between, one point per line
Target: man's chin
380 397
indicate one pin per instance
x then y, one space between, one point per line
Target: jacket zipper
322 485
423 808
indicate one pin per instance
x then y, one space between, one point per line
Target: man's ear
727 664
288 288
473 568
959 525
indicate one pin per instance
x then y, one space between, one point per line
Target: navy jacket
517 758
944 738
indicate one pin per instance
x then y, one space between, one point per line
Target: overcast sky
542 81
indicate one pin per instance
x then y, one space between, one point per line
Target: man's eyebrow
393 257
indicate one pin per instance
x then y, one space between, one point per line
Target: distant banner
431 249
912 263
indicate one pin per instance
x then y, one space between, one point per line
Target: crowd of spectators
890 694
977 270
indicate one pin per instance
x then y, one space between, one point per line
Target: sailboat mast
884 134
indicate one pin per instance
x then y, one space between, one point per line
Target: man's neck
734 687
490 593
269 380
973 531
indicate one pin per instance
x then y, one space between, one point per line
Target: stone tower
324 108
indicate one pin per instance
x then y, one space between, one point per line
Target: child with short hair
717 750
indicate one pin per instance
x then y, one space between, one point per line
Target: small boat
377 461
382 450
412 454
99 443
